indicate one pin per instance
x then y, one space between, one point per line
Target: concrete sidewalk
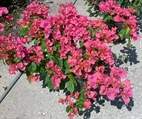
31 101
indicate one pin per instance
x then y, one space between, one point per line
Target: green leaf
60 63
127 30
120 1
56 47
70 86
36 41
16 60
122 34
42 70
141 9
138 12
107 18
67 109
48 81
86 56
54 59
79 103
67 67
91 31
129 43
43 45
24 31
32 67
72 79
81 43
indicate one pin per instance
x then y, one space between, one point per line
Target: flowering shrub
3 11
67 48
136 4
119 15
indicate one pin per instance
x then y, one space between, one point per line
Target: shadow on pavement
129 56
117 102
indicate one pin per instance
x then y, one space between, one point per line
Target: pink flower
92 95
100 69
34 78
13 69
93 81
22 65
46 25
49 46
117 72
111 93
76 95
118 18
126 94
75 111
72 61
57 74
36 54
67 9
92 2
87 104
1 27
71 115
103 90
20 52
3 11
61 100
50 64
126 83
8 18
70 104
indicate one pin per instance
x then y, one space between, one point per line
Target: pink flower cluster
111 86
70 37
3 11
125 16
35 9
56 74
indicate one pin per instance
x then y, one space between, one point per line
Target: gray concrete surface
31 101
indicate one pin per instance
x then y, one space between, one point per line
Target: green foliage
43 45
93 9
80 100
107 18
70 86
23 31
124 34
72 79
57 60
69 109
91 31
67 67
32 67
48 81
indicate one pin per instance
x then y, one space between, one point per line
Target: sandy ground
31 101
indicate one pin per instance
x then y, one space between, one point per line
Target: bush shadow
119 104
130 56
101 102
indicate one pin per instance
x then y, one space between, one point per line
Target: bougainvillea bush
94 5
120 14
67 49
